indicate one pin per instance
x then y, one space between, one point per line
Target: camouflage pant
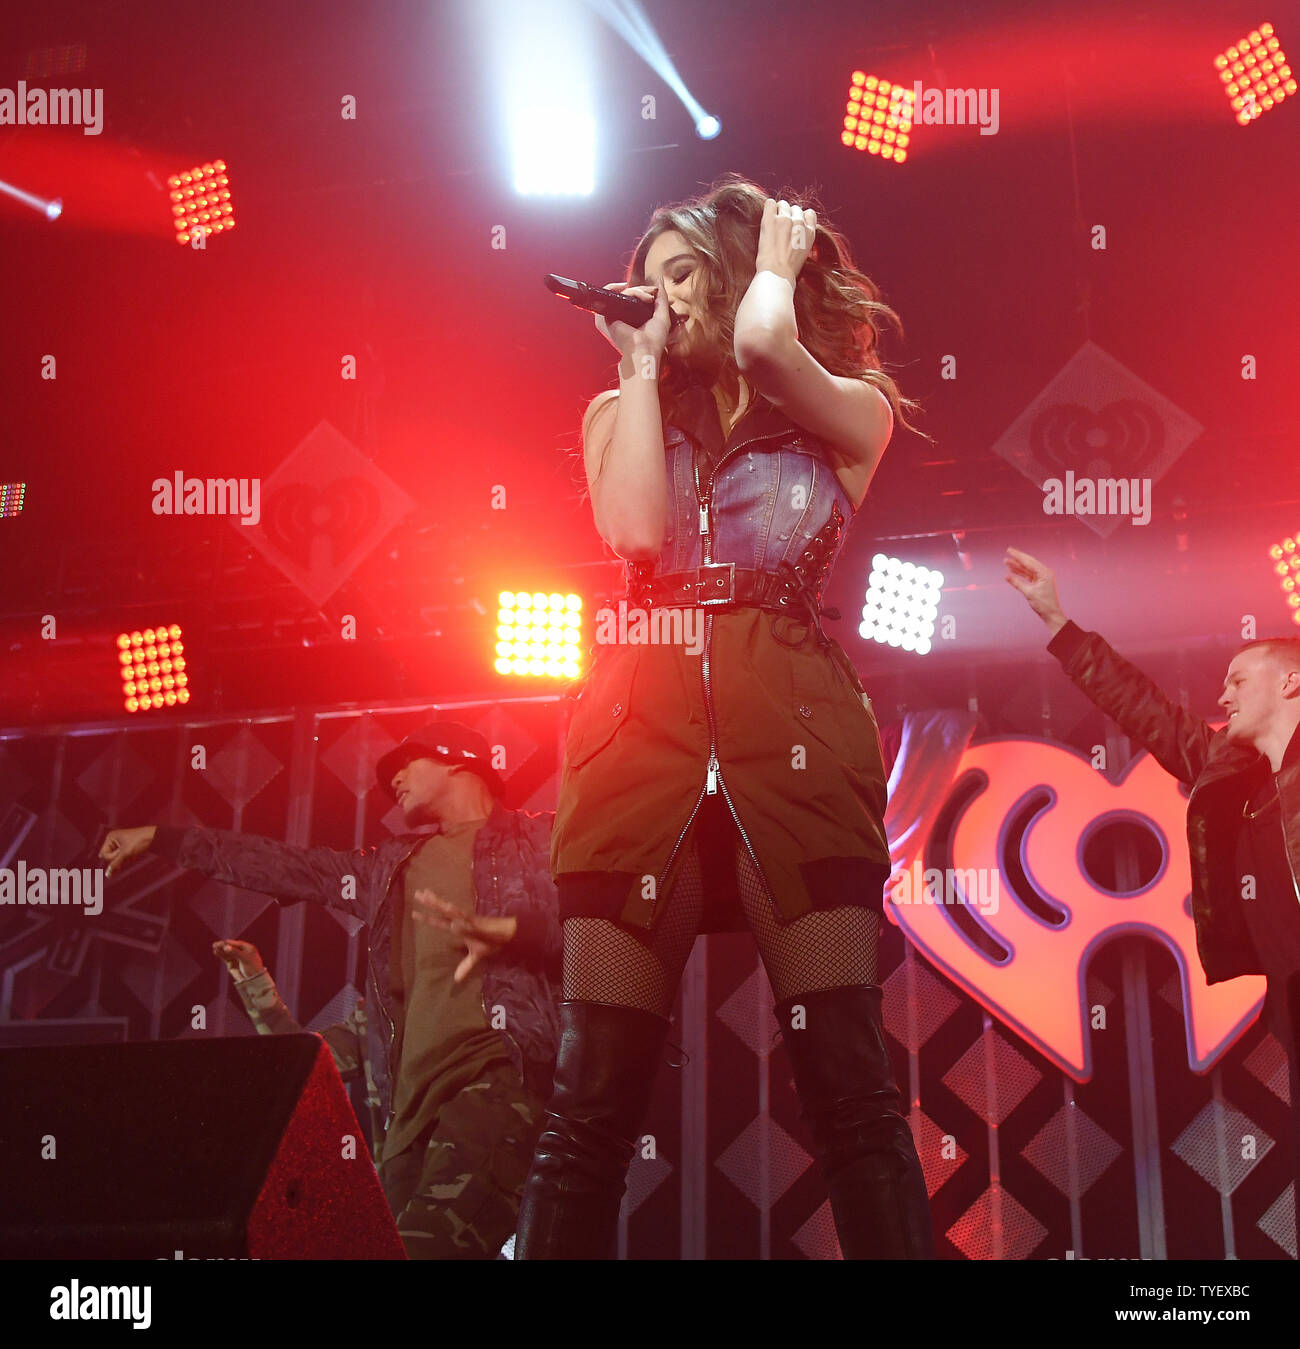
456 1192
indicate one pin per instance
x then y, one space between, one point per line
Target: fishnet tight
606 962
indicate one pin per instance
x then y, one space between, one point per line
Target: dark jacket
511 878
1221 776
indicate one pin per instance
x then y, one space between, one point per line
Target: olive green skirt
801 772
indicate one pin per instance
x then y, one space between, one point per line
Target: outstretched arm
1178 739
341 880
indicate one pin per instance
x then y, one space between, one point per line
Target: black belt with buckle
721 585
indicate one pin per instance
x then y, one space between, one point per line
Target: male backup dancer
462 1046
1243 815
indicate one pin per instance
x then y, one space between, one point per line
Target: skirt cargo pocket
602 706
828 702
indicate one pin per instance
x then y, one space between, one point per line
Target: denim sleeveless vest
774 503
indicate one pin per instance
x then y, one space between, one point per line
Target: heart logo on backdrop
953 809
323 510
1097 419
1120 440
300 518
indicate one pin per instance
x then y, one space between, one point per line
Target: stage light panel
153 668
12 497
878 117
902 602
200 201
1255 74
1286 567
538 634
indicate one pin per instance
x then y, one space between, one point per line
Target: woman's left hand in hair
785 238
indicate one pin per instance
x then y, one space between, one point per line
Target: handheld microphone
628 309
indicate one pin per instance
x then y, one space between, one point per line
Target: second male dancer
462 1046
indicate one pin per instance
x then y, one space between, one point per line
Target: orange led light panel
878 117
1255 74
538 633
152 668
200 201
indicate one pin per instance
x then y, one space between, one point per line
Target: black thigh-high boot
608 1060
863 1143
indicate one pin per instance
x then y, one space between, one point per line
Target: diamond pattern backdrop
1020 1161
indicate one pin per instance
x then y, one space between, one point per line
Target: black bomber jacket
1221 777
511 878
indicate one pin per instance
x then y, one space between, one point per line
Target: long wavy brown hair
838 308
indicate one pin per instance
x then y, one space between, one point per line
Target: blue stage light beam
627 20
51 209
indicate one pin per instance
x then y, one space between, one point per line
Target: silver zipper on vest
713 781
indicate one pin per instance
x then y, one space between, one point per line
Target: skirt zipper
713 781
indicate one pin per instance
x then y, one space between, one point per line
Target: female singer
740 781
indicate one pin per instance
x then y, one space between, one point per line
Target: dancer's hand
484 935
242 958
649 339
785 238
121 845
1037 583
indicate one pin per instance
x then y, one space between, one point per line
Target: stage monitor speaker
245 1147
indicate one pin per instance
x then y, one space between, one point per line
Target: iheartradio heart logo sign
1070 436
1096 423
961 811
323 510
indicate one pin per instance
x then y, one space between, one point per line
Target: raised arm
1178 739
256 989
268 1013
622 437
851 416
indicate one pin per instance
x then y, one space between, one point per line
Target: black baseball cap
448 742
